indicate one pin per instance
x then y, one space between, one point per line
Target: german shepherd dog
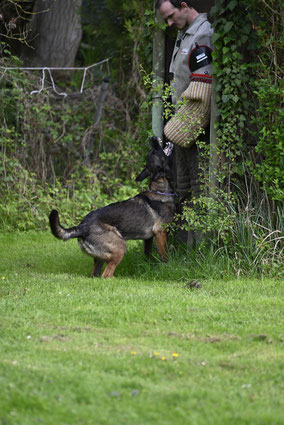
102 234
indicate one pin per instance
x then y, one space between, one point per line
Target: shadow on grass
133 266
40 252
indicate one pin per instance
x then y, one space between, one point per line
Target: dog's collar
163 193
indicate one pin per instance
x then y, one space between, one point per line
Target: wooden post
213 162
158 75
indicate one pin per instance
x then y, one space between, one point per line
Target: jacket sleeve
193 117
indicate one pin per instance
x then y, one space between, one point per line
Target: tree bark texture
55 33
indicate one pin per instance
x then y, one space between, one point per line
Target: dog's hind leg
96 272
115 259
148 247
161 238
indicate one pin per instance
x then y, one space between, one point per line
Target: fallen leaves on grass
157 355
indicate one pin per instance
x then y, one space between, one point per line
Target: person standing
191 80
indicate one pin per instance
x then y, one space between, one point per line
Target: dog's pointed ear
143 175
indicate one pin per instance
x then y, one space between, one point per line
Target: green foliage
246 229
247 62
27 201
195 215
234 68
270 122
268 88
43 150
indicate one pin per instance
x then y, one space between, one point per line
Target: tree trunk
55 33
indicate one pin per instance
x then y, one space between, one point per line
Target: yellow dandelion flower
175 355
163 358
3 277
133 353
156 353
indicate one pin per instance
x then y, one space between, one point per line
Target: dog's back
132 219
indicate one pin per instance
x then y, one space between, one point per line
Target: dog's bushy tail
59 231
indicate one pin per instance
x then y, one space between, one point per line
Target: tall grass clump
255 239
243 229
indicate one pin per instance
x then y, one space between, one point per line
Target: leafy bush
43 149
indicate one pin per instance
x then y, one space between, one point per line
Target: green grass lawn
142 348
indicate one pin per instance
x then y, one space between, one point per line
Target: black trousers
187 172
187 168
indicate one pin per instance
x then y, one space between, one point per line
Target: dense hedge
248 60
